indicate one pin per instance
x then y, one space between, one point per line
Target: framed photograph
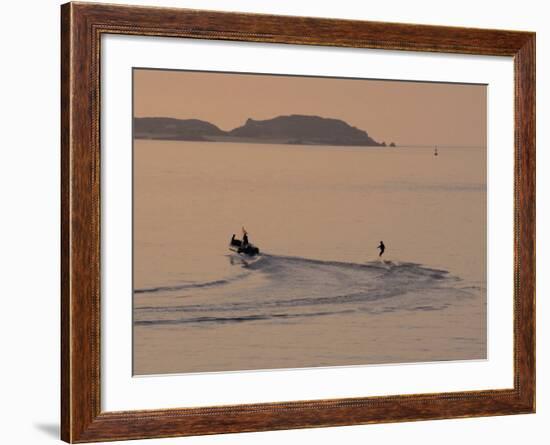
274 222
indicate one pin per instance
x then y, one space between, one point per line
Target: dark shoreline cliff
293 129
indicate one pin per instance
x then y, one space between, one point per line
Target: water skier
382 248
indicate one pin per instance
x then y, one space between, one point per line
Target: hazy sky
409 113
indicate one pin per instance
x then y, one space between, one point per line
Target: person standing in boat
245 237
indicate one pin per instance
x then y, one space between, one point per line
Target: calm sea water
319 295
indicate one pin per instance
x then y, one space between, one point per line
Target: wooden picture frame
82 26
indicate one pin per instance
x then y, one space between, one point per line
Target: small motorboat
237 245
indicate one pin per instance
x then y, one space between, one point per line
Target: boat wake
286 289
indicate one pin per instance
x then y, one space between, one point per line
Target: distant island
294 129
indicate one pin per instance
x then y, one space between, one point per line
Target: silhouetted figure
381 247
245 239
235 242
